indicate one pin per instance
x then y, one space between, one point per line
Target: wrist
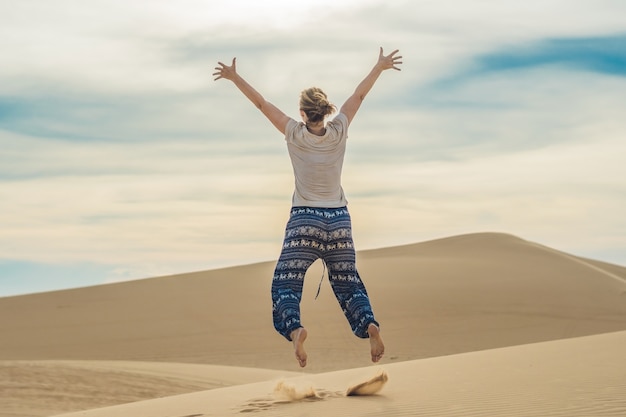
379 67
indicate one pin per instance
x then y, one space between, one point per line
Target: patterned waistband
327 213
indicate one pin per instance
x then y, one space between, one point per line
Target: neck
316 128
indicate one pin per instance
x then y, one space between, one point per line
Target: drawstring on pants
321 280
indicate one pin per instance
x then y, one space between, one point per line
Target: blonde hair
315 104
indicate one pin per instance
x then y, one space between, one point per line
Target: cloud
561 196
119 150
530 95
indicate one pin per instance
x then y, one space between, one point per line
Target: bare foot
376 342
298 337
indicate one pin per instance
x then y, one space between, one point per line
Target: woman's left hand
225 71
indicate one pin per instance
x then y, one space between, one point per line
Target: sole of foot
298 337
376 342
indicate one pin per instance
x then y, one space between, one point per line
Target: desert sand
484 324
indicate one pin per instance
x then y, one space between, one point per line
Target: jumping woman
319 225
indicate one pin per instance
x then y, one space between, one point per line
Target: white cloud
155 169
562 196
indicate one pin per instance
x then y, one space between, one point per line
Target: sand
484 324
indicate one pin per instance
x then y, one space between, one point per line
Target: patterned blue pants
313 233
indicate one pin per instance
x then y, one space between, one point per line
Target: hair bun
315 104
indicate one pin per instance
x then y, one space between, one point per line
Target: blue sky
121 158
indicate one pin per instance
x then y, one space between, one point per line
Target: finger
234 61
380 52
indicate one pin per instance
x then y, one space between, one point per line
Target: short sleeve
340 125
289 130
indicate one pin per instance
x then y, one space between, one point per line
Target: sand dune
569 378
44 388
449 296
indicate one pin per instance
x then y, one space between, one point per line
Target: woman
319 225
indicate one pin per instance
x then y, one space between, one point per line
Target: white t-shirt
317 162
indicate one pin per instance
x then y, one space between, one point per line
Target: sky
121 158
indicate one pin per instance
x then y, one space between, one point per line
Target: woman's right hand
389 61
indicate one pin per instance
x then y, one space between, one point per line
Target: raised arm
352 104
273 113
